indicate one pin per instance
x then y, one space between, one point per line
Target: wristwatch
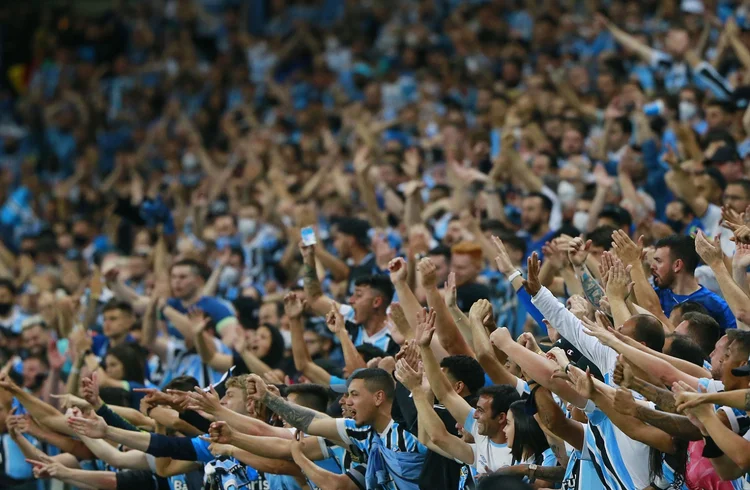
532 470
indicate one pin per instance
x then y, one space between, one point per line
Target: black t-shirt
469 293
438 472
574 355
141 479
367 267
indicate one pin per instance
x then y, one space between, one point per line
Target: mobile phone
308 236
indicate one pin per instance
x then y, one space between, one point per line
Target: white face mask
687 110
189 161
287 338
581 220
230 276
246 226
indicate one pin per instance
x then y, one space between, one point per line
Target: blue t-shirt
714 303
220 312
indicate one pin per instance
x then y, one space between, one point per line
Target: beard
664 282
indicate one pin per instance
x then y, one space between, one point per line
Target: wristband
567 368
514 275
711 450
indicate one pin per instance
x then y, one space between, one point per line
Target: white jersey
487 454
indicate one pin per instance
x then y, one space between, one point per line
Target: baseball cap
742 370
724 154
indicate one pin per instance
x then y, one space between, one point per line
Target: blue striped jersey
679 74
394 437
620 462
382 339
181 361
350 461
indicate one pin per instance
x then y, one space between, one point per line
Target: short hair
376 379
237 382
441 250
703 329
715 175
601 236
465 369
197 267
685 348
744 183
511 240
546 201
370 352
472 249
690 307
8 284
625 124
380 283
182 383
741 338
681 247
116 304
310 395
618 214
649 330
502 396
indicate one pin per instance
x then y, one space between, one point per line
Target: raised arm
710 252
293 307
316 301
630 42
307 420
319 476
133 460
457 406
270 447
430 424
406 298
448 334
483 347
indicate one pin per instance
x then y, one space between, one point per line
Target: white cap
692 6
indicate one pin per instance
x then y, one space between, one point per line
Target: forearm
205 347
64 443
134 440
440 385
735 297
135 460
619 309
448 334
736 398
653 365
333 264
253 362
597 205
591 288
249 425
734 446
104 480
310 282
635 428
674 425
370 201
553 418
352 358
271 447
463 324
664 399
300 354
322 478
209 289
113 419
407 299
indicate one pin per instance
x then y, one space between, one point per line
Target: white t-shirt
487 454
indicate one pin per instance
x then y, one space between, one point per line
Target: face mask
189 161
229 276
80 241
567 192
5 308
676 226
287 338
687 110
246 226
581 220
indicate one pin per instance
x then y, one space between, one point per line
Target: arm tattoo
550 473
310 282
674 425
591 288
664 399
298 417
747 400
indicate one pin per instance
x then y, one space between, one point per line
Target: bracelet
514 275
567 368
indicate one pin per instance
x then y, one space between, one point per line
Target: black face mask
676 226
5 308
80 241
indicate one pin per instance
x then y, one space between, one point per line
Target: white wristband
514 275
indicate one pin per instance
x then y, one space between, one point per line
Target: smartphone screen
308 236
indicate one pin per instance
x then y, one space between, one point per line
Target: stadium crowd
375 245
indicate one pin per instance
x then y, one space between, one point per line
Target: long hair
527 433
134 368
276 352
678 462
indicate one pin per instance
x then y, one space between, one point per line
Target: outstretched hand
532 283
